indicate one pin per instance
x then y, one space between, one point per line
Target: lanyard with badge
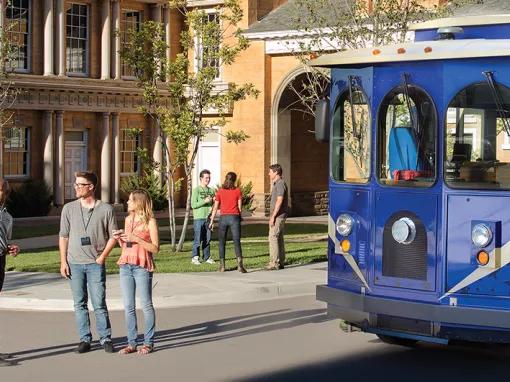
85 240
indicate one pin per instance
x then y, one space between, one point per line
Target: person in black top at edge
5 248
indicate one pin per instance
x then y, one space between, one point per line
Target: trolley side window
477 142
407 136
350 144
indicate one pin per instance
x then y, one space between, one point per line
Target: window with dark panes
16 151
407 135
77 39
17 17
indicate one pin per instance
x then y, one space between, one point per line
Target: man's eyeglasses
80 185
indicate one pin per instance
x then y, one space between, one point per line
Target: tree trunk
171 210
186 215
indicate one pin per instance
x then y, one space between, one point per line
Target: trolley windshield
477 143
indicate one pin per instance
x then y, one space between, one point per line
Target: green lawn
44 229
255 251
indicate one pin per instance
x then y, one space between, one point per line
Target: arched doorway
293 145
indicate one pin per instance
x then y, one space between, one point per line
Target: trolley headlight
344 224
481 235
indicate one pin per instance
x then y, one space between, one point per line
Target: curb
266 292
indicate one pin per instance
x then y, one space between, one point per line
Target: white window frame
28 69
136 162
198 48
26 175
87 44
123 32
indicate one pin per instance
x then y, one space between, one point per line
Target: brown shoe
271 267
222 266
240 266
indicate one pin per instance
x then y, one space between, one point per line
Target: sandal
145 349
127 350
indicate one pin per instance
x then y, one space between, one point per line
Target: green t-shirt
201 209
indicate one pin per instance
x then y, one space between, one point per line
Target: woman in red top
140 242
229 201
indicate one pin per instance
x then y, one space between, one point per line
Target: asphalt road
277 340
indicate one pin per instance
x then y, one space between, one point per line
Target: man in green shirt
202 199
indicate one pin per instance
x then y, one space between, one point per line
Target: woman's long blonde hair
143 205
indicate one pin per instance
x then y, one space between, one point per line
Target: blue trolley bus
419 190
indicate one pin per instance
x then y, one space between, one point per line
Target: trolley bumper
356 308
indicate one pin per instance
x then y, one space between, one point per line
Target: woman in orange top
140 242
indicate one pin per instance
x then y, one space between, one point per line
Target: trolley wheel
397 340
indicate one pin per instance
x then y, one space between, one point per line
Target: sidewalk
49 292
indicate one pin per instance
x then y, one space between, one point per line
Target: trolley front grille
408 261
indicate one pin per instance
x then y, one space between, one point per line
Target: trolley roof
463 21
418 51
428 50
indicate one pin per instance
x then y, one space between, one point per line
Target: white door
209 157
75 160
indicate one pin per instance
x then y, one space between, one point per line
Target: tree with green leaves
197 105
330 26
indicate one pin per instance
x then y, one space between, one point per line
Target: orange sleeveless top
136 254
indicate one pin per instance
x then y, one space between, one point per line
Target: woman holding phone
139 242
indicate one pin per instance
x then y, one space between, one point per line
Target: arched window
477 144
407 130
350 144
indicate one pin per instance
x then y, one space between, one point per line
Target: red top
136 254
228 201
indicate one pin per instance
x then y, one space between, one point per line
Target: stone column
48 38
106 153
60 38
116 40
157 144
116 157
168 41
155 12
106 35
48 148
60 180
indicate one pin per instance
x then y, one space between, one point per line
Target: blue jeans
234 223
93 277
133 277
202 238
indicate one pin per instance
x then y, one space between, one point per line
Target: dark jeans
234 223
2 270
202 238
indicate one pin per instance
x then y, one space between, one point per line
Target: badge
85 240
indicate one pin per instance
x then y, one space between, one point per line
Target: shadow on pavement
196 334
17 280
395 363
236 327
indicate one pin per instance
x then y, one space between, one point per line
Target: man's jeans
92 276
276 243
234 223
133 277
202 238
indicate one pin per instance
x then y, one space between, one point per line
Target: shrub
32 198
149 182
